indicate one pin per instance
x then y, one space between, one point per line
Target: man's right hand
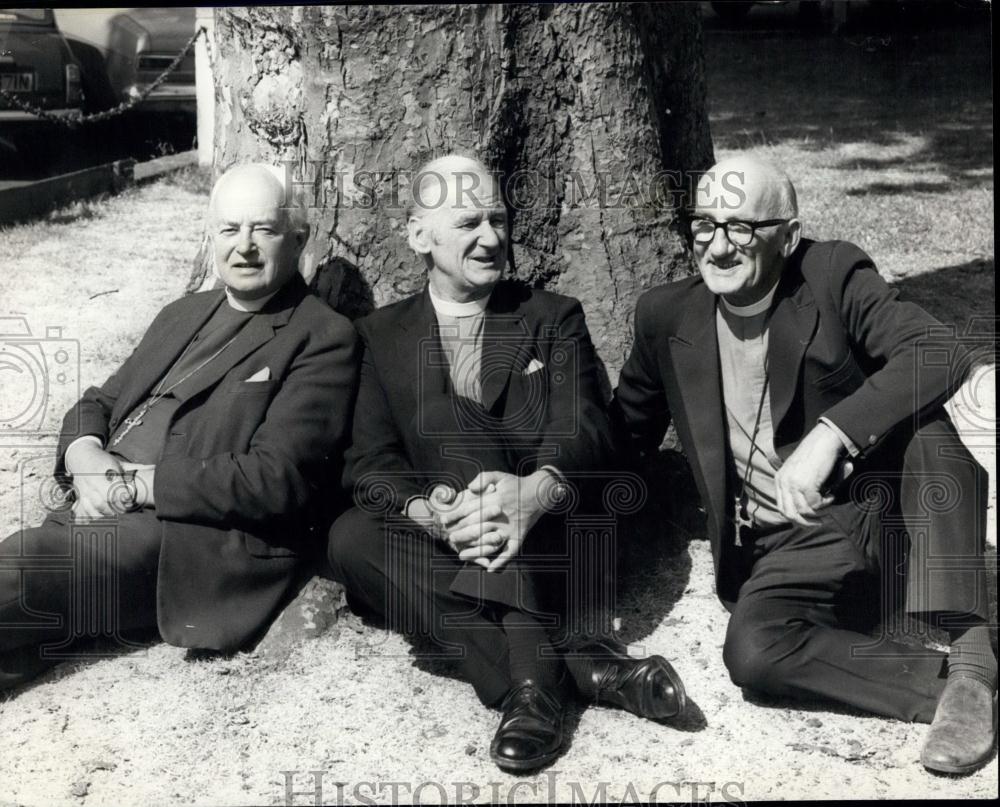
90 464
439 512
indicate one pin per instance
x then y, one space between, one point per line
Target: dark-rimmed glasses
740 233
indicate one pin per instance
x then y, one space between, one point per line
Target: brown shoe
963 734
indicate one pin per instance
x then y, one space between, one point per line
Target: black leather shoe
963 734
606 674
530 731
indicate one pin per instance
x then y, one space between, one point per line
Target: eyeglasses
739 233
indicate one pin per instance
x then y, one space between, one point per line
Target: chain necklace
136 420
742 503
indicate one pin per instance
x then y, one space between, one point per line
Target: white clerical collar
247 305
753 309
450 308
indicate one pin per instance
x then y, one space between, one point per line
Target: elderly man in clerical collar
479 402
786 365
202 456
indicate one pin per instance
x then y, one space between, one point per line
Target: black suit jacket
540 387
245 465
840 345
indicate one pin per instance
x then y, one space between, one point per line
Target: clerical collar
753 309
252 306
450 308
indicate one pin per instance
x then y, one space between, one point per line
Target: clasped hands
105 486
487 522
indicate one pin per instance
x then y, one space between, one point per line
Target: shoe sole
958 769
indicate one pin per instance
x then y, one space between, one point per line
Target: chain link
76 118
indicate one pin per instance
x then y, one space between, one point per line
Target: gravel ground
157 725
903 167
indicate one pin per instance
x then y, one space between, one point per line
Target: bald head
744 228
458 223
452 181
259 185
763 190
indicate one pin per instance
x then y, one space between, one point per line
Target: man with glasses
808 399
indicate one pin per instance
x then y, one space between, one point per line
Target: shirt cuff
406 505
555 472
849 444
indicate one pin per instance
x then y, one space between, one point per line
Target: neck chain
743 518
136 420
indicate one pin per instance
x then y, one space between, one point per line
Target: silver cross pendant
742 517
130 423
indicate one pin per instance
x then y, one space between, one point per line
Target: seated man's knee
350 541
755 650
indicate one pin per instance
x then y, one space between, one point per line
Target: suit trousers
800 626
911 539
394 569
63 582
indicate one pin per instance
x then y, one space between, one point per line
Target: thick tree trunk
582 106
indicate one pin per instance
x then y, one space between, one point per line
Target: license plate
17 82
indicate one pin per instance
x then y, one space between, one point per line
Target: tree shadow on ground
654 561
962 296
76 656
928 84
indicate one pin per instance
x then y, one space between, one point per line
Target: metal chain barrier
75 119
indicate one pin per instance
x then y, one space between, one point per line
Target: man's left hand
801 479
521 501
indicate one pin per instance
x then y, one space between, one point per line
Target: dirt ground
353 716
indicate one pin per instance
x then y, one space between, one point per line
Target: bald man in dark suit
199 468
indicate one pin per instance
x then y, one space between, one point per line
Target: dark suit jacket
243 469
554 415
840 345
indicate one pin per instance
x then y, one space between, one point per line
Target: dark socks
972 654
531 652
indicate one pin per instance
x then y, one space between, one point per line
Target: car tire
97 92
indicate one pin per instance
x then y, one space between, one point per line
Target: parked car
123 50
37 66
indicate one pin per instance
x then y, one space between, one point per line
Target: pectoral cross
742 516
130 423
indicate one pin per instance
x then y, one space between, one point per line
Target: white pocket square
260 375
533 367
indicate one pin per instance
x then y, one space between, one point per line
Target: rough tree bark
595 101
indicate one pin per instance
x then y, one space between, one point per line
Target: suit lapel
790 330
418 348
504 333
257 332
168 344
695 352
